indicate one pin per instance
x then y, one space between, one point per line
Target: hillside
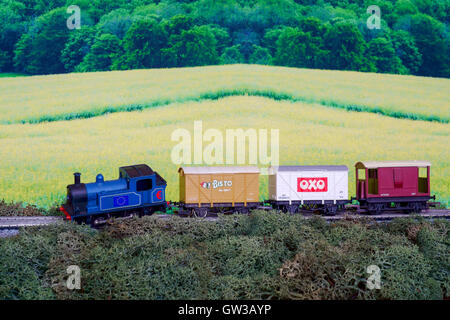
81 95
38 158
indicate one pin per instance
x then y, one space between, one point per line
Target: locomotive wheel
80 220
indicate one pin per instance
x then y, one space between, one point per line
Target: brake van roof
391 164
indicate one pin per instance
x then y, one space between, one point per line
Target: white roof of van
219 170
308 168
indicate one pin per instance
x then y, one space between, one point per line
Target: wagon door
405 181
197 188
386 181
246 188
222 186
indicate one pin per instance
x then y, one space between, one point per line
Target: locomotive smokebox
77 178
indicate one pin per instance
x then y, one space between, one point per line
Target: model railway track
20 222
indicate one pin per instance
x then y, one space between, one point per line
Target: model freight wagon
393 185
218 189
323 188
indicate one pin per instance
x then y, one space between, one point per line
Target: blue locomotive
138 191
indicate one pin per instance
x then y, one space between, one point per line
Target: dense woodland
129 34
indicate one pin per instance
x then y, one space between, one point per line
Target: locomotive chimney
76 176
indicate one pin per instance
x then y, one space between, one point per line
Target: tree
178 24
260 55
143 44
431 40
382 53
173 33
5 61
222 37
77 47
438 9
246 38
406 50
314 26
232 55
117 22
404 7
39 50
22 53
195 47
105 49
270 38
346 47
11 28
296 48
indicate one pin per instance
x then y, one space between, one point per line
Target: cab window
144 185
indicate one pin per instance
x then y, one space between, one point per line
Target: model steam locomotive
380 186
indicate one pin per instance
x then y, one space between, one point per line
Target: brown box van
219 186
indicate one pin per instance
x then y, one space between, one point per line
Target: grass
71 96
38 159
261 256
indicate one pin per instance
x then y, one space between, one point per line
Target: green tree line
323 34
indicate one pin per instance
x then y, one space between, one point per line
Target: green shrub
261 256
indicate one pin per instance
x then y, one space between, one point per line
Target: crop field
69 96
38 159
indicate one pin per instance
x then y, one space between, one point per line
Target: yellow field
37 160
58 96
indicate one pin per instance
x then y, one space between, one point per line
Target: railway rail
20 222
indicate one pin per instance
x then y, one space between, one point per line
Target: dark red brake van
396 185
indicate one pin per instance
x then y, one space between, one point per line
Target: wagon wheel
221 210
182 212
200 212
310 207
330 210
376 208
416 207
244 210
292 209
